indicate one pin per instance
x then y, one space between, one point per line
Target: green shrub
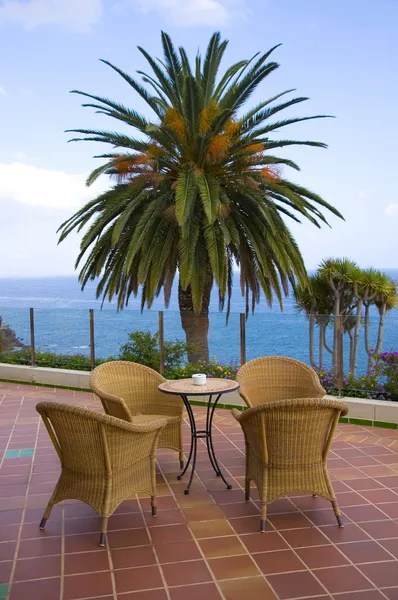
143 348
77 362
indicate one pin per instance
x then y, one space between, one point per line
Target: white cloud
392 210
34 186
3 92
74 15
189 13
19 155
33 204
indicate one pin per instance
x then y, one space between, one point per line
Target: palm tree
316 301
197 189
365 288
385 299
341 274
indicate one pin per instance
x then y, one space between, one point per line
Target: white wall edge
45 376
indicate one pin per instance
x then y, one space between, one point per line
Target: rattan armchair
129 391
287 444
104 460
277 378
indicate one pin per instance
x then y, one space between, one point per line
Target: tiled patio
204 546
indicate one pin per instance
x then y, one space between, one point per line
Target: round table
213 387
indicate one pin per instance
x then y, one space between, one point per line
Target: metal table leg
209 440
193 448
206 434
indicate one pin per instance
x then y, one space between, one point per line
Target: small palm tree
385 300
317 302
341 274
197 189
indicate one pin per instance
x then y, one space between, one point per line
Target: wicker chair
277 378
104 460
129 391
287 444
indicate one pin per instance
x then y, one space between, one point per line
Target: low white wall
55 377
359 408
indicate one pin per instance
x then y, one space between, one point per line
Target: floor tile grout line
14 566
186 562
352 564
14 560
162 575
62 585
301 560
233 535
356 491
366 533
194 537
11 432
248 553
112 573
338 549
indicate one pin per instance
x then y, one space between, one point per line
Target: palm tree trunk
367 325
311 339
325 344
354 354
351 335
196 325
380 333
321 342
337 327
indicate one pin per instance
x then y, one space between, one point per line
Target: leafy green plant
143 348
77 362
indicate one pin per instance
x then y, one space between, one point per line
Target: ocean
62 322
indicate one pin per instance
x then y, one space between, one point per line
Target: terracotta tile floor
202 546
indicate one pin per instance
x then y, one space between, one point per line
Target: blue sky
342 54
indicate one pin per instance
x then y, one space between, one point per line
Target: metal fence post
161 342
92 340
242 338
339 357
32 336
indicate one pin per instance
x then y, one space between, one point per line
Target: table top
186 387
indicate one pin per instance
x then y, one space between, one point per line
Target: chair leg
247 490
263 517
153 505
314 495
104 527
181 457
46 515
337 512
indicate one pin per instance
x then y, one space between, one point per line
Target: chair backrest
126 388
96 444
292 433
273 378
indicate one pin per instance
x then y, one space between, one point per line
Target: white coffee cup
199 379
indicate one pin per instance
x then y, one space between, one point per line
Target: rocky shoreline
8 338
